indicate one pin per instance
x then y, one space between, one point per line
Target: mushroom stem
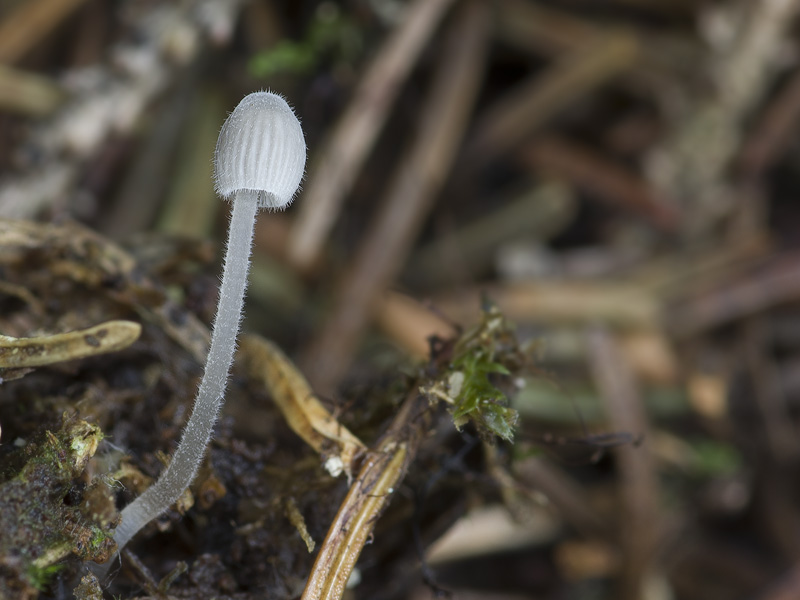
184 464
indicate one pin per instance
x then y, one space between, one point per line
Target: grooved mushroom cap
261 147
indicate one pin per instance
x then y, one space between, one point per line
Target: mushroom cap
261 148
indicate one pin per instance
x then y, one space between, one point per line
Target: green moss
40 577
39 528
484 359
478 400
714 459
331 35
98 539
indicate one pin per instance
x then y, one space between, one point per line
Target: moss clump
478 399
41 520
482 361
40 577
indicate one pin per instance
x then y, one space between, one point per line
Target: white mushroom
259 163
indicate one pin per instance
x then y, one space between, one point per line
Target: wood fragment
357 130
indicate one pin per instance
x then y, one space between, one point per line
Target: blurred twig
775 128
536 212
24 28
768 396
776 282
383 470
357 130
534 102
27 93
409 199
612 303
639 527
191 207
410 324
568 497
786 588
600 177
539 28
141 190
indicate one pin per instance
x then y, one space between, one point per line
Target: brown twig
409 199
776 283
618 304
569 498
535 212
601 177
383 470
24 28
410 323
357 130
111 336
539 28
640 529
535 102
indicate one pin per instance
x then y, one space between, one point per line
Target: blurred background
620 177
